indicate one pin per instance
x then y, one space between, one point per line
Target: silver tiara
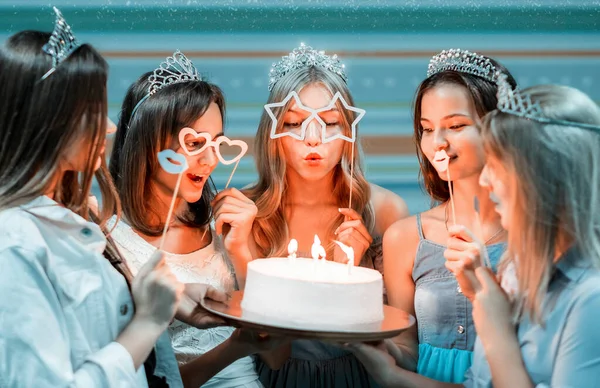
175 69
511 101
305 56
462 61
62 42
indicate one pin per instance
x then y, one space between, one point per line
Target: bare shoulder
388 207
402 238
402 233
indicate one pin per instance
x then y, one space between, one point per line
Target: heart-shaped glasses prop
173 163
194 143
441 162
329 131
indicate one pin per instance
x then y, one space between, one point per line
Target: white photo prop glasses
194 143
329 131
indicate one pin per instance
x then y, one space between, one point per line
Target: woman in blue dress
458 91
538 325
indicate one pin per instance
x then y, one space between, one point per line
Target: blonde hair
270 227
556 187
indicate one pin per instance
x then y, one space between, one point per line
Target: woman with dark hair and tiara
538 325
311 182
196 250
458 92
69 317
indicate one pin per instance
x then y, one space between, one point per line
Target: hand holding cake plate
305 298
393 323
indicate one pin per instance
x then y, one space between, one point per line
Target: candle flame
292 248
317 250
348 251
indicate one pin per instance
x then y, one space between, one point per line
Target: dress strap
420 227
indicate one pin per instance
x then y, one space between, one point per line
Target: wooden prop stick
173 163
479 232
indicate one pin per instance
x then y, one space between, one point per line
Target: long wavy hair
556 187
270 229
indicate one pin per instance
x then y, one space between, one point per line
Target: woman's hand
191 312
156 292
380 359
234 215
462 258
352 232
492 313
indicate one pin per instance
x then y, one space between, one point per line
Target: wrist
503 343
237 349
148 325
239 252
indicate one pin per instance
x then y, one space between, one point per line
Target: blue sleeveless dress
314 364
444 314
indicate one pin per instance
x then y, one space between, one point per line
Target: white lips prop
440 161
172 162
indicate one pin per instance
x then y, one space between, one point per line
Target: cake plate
394 322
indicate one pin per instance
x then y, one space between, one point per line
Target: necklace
486 241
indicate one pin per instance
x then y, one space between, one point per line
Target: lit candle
349 254
292 249
317 251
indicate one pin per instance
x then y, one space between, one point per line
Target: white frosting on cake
314 292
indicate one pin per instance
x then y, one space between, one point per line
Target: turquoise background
385 45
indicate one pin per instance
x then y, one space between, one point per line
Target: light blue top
62 303
566 351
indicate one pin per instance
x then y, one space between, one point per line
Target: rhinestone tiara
174 70
62 43
305 56
462 61
512 102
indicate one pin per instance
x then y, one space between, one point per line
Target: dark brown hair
484 100
41 119
155 126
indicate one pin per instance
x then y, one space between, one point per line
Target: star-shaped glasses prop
329 131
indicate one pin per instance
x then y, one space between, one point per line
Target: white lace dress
207 265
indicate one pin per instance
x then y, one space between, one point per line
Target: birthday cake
310 291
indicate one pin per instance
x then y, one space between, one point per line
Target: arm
578 358
34 329
234 216
240 257
242 343
277 357
380 361
388 208
195 373
507 367
399 246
